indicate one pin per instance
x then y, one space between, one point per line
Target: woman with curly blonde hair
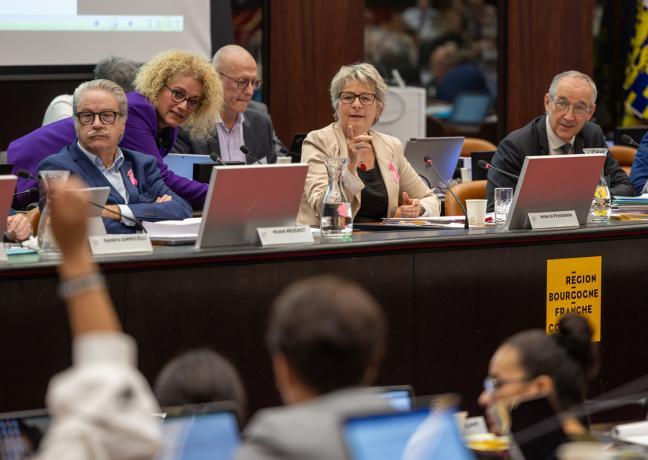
173 88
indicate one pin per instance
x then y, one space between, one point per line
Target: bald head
237 67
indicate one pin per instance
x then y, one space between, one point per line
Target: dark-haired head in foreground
532 364
199 376
325 334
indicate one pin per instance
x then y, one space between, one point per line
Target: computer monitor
400 397
635 132
183 165
479 173
442 151
555 183
22 432
200 432
241 199
6 168
470 108
411 435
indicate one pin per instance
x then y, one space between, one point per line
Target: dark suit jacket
257 135
532 140
141 200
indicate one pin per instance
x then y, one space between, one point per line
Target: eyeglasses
580 109
492 384
107 118
178 96
365 98
243 83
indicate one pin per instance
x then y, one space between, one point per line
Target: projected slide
70 32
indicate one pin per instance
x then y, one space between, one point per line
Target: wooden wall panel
308 42
544 37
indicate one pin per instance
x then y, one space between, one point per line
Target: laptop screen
213 436
414 435
22 432
399 398
470 108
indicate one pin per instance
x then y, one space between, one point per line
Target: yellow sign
574 287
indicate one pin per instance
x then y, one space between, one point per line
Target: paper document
636 433
173 228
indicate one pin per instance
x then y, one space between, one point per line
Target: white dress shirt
231 140
555 142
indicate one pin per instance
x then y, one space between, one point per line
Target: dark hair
330 331
568 357
199 376
118 70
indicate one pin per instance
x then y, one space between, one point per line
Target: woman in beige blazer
379 181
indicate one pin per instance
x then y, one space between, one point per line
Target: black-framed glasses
106 117
242 83
492 384
580 108
347 97
178 96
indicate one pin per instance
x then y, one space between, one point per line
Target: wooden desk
450 297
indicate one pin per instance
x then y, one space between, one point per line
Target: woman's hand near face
355 145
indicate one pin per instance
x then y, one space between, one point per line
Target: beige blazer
398 174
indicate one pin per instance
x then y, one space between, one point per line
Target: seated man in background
238 125
564 129
101 407
116 69
137 190
326 337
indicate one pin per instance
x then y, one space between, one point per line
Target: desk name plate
120 244
553 219
297 234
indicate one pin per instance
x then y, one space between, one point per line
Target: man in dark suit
137 190
238 124
565 128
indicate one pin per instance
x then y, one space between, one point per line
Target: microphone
249 155
428 162
628 140
216 159
486 165
138 225
26 174
29 190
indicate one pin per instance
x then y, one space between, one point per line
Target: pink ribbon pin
131 176
394 172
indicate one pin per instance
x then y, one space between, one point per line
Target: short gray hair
104 85
362 72
226 51
118 69
571 74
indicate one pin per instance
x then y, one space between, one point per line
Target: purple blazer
141 135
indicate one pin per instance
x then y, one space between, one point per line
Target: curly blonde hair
163 68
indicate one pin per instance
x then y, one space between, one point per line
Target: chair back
475 144
465 191
625 155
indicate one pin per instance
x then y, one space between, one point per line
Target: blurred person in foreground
137 190
378 181
564 129
173 88
326 338
101 406
532 364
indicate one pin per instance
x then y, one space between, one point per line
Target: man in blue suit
137 190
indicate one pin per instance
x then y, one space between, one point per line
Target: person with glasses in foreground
564 129
532 364
137 190
237 124
173 88
378 181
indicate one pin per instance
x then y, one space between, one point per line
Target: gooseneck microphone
136 223
428 163
486 165
248 154
628 140
216 159
30 190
